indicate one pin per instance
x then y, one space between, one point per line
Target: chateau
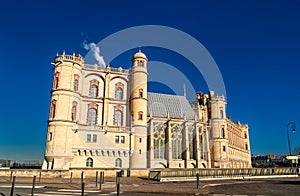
104 117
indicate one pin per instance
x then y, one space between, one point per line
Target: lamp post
130 149
293 126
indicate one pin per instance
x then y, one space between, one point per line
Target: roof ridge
166 94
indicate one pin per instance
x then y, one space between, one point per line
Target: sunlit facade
104 117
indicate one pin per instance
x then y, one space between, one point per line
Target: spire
184 90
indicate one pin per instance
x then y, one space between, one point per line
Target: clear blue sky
256 45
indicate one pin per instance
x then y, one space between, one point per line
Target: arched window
76 82
53 109
74 110
140 115
118 118
191 137
223 132
56 79
246 146
245 135
141 64
89 162
176 142
94 91
118 162
221 112
201 146
119 93
92 116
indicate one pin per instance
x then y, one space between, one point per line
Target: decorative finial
184 90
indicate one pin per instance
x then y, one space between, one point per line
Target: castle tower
218 134
138 110
65 98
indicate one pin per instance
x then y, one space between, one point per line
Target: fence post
82 188
96 179
118 175
10 178
12 186
100 180
103 177
71 177
40 175
82 176
33 185
197 175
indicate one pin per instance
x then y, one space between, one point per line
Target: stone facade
103 117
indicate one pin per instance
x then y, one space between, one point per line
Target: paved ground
139 186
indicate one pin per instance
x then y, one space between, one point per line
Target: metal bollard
82 176
33 185
71 177
12 186
100 180
118 175
82 188
198 183
11 174
96 179
103 177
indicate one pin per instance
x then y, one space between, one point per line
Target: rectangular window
224 148
88 138
140 140
140 115
122 139
141 93
94 138
50 136
117 139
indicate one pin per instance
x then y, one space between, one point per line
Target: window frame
74 111
53 108
92 117
122 139
56 80
141 93
94 138
117 139
88 138
140 115
118 163
89 162
118 118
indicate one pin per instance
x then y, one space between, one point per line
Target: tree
296 150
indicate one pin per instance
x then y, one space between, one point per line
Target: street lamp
130 148
293 126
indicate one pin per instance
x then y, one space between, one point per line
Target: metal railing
221 173
104 68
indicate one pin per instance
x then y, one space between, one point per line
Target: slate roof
159 105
